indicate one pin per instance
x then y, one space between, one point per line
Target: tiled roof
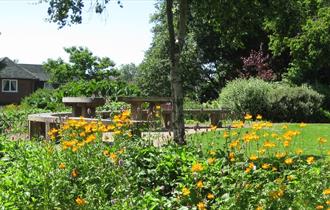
12 70
37 70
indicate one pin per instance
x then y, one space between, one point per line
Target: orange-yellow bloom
185 191
80 201
213 127
326 191
265 166
62 166
74 173
210 196
200 184
196 167
322 140
310 160
201 206
253 157
210 161
319 207
288 161
248 116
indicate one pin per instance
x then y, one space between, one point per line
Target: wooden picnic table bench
137 111
83 106
215 115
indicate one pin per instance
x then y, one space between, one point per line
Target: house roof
12 70
37 70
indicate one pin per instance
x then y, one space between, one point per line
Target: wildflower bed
247 172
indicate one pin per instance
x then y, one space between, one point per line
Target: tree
128 72
82 65
66 12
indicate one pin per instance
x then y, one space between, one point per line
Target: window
9 85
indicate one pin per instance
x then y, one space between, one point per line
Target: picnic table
83 106
136 103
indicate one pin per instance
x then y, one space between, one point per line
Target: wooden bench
215 115
83 106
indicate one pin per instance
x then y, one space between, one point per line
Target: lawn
308 140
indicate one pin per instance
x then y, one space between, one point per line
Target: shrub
246 96
13 118
274 101
298 104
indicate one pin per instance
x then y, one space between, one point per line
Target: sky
122 34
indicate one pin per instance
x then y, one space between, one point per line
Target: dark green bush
275 101
297 104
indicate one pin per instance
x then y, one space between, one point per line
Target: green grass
308 140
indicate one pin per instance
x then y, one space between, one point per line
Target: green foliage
246 96
13 119
83 65
310 50
52 99
298 104
130 173
274 101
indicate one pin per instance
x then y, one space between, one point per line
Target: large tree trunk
175 48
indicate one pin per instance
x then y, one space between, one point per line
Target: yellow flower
248 116
247 170
253 157
82 134
265 166
322 140
74 173
200 184
157 107
80 201
269 144
280 155
90 138
213 127
225 134
210 161
197 167
302 125
238 124
288 161
234 144
259 117
201 206
232 156
310 160
185 191
106 152
290 177
299 151
113 156
286 143
326 191
212 152
259 208
328 202
210 196
277 194
62 166
319 207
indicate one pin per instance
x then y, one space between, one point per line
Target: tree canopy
82 65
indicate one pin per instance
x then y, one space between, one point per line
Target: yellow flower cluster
74 134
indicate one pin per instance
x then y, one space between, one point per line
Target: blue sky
123 34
